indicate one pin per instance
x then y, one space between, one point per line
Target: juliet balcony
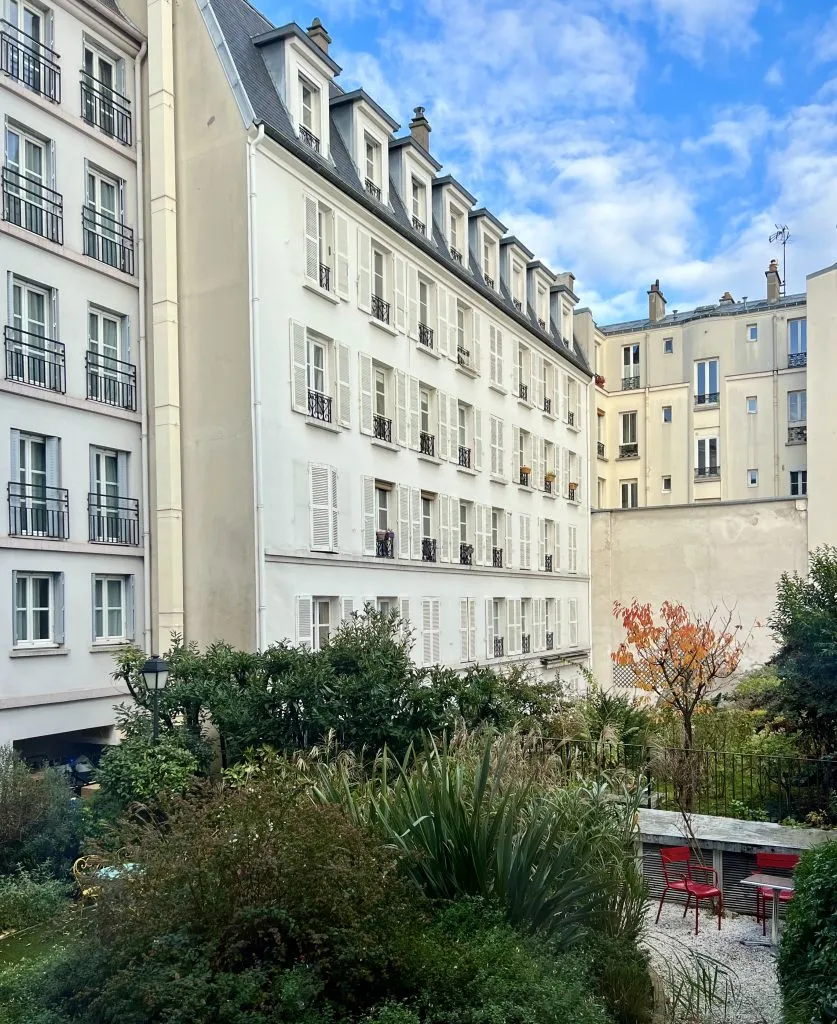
38 511
106 109
33 360
113 519
107 240
32 206
28 61
111 381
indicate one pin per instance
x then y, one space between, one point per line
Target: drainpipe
141 346
253 143
775 409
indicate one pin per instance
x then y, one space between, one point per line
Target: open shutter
58 597
514 358
515 455
312 241
453 429
442 333
341 232
121 469
412 301
477 461
365 393
511 645
445 527
335 508
479 534
130 608
344 387
402 424
364 274
536 389
541 544
565 472
415 413
489 627
464 630
499 357
436 629
443 442
559 625
400 293
299 368
415 522
556 561
453 333
476 340
304 620
578 421
509 541
347 607
572 619
368 487
525 541
319 507
538 461
426 631
53 473
472 628
403 494
501 452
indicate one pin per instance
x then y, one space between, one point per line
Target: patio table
778 883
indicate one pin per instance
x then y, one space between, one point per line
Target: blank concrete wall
729 553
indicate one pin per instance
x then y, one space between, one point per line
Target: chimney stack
420 128
317 34
774 282
656 302
726 299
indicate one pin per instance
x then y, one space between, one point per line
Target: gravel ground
757 999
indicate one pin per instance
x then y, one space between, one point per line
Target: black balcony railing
570 419
419 225
427 443
629 451
498 647
798 434
425 335
325 277
380 309
113 520
27 60
111 381
466 554
524 478
572 492
33 206
385 544
464 457
455 254
707 398
542 324
703 472
319 406
309 138
38 511
107 240
31 359
547 405
547 485
526 643
523 392
105 108
547 563
373 189
518 305
797 359
497 558
382 428
488 280
550 641
630 383
428 549
600 449
463 356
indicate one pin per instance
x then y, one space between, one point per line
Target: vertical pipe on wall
775 408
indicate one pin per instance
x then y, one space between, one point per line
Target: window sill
525 403
466 471
328 296
526 488
386 328
469 371
700 406
573 428
498 479
37 652
322 425
549 415
430 458
498 388
427 350
388 445
109 646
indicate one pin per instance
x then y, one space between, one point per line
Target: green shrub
808 953
27 899
139 770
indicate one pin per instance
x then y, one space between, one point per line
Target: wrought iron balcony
572 492
708 398
463 357
550 641
570 419
542 324
28 61
488 280
31 359
373 189
466 554
105 108
497 558
547 485
113 520
456 254
425 335
707 472
798 434
419 225
547 405
385 544
518 305
630 383
629 451
319 406
523 392
498 647
380 309
382 428
325 277
33 206
600 449
797 359
524 478
547 563
309 138
428 549
427 443
526 643
107 240
36 510
464 457
111 381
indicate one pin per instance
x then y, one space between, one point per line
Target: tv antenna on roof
781 235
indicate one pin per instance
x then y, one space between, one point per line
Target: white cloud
825 41
735 131
774 76
690 26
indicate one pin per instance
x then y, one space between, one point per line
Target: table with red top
778 883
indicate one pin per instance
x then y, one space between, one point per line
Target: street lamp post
156 672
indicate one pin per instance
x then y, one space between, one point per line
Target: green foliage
808 953
139 770
27 899
28 963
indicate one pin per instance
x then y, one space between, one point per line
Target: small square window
752 332
752 404
666 484
752 478
666 414
668 346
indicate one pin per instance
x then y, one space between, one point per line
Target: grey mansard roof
722 309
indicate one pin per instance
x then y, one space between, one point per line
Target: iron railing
419 225
27 60
105 108
526 643
488 280
32 359
428 549
497 558
309 138
798 434
463 357
385 544
629 451
498 647
325 277
547 405
427 443
107 240
319 406
600 449
547 563
542 324
466 554
455 254
38 511
630 383
33 206
797 359
382 428
707 471
112 519
111 381
518 305
425 335
571 492
464 457
380 309
550 641
570 419
523 392
373 189
524 478
547 485
708 398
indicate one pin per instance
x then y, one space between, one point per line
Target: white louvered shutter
572 548
511 632
436 627
400 293
453 429
493 427
565 472
299 368
508 554
492 354
464 631
541 544
403 493
557 559
453 333
515 455
319 506
489 627
366 406
442 332
341 232
514 359
304 620
500 377
415 522
476 340
412 300
556 386
335 509
535 444
364 273
344 386
442 441
479 535
404 609
477 460
312 241
472 628
444 528
559 624
536 393
368 488
572 622
347 607
59 598
578 420
402 427
415 413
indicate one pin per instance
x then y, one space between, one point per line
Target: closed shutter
578 420
479 534
341 231
541 544
514 348
364 276
344 386
403 521
537 613
400 293
525 541
515 455
365 393
304 620
412 301
442 332
572 548
335 508
464 630
453 429
472 629
402 427
299 368
537 468
58 598
499 356
445 528
430 627
443 438
508 559
476 340
572 622
319 507
404 610
312 241
453 333
415 522
130 608
436 621
511 647
565 471
557 559
492 354
415 413
368 487
489 627
493 429
477 461
537 380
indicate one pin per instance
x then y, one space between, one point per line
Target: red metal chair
772 862
671 856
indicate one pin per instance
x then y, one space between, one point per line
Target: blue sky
624 140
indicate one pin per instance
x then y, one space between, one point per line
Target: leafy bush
808 953
138 770
27 899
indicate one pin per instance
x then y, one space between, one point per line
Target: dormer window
456 234
309 121
488 258
419 199
373 167
541 306
517 285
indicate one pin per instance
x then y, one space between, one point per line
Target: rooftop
721 309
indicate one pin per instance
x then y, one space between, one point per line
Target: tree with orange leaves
680 658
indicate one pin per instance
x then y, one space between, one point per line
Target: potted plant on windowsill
384 534
526 469
549 476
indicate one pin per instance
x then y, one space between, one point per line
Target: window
628 446
666 484
752 478
497 617
468 629
630 366
752 405
105 237
424 410
316 366
34 598
321 621
668 346
101 101
797 342
320 385
423 302
419 200
322 487
373 166
27 20
426 516
549 624
462 425
112 609
706 382
309 100
601 491
496 539
752 332
461 328
36 508
488 256
109 378
430 628
380 392
463 522
517 284
382 501
797 406
666 414
456 236
28 199
572 621
30 357
572 548
630 493
798 483
541 306
706 458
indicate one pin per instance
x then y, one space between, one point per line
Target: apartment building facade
72 539
703 405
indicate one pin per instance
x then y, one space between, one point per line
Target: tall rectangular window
797 406
628 425
707 456
706 382
798 483
797 342
629 493
373 161
34 609
630 366
110 608
321 620
309 98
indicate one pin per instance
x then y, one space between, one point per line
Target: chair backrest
782 861
670 855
